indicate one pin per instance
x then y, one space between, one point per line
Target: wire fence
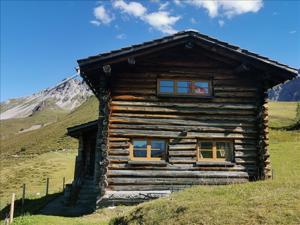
31 196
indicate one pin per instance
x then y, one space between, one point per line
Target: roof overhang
270 68
78 130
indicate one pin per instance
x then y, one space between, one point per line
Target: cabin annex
182 110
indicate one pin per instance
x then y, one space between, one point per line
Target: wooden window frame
148 158
214 150
176 94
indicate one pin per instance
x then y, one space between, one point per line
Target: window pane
206 154
140 153
166 83
166 89
182 90
158 148
140 148
200 88
206 145
206 150
139 144
224 150
166 86
183 84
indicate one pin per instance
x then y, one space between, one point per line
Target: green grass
33 156
282 113
265 202
51 137
12 127
100 217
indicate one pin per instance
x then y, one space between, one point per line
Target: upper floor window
215 150
148 149
184 87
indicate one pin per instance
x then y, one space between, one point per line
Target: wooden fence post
23 197
47 186
12 207
64 181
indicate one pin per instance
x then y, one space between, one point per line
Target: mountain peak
66 95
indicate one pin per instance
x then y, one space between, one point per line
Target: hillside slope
51 137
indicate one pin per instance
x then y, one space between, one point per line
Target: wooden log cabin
182 110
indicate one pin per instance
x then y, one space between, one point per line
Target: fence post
47 186
23 197
12 207
64 181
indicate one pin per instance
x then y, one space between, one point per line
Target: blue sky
41 40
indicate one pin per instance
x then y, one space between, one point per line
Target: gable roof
285 72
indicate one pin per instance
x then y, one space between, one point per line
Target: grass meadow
274 201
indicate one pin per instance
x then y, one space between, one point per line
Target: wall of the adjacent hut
137 111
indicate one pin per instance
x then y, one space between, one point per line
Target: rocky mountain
289 91
67 95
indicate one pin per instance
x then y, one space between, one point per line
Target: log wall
137 111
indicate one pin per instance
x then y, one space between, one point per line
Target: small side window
148 149
215 151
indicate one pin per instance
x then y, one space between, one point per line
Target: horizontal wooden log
162 173
116 139
239 94
118 152
182 146
182 153
183 141
186 105
183 128
189 121
182 167
218 181
119 144
173 134
182 110
139 97
248 154
168 181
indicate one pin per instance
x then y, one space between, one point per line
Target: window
184 87
148 149
214 150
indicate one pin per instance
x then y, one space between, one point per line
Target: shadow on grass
31 206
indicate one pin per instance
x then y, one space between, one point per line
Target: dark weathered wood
174 134
200 174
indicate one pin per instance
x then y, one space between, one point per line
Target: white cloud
162 21
95 22
177 2
293 32
163 6
228 8
210 5
121 36
159 20
232 8
221 23
102 16
133 8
